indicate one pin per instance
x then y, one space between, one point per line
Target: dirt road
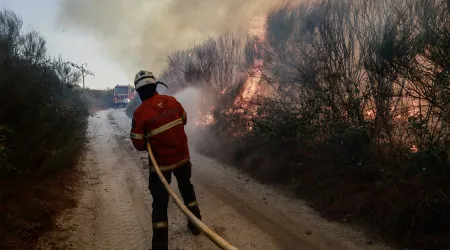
114 211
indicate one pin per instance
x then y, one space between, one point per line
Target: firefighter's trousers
161 201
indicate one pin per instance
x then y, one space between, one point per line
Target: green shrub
98 99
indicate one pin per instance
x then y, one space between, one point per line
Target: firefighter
160 119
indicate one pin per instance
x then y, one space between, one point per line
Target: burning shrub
339 61
335 62
346 99
214 64
349 99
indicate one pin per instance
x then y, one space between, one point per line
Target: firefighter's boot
196 211
160 240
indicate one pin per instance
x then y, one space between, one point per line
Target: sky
72 43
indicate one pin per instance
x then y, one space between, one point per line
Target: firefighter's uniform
160 120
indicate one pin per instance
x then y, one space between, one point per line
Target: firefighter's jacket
161 119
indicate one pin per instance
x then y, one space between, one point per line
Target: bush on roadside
42 131
97 99
40 102
363 112
358 121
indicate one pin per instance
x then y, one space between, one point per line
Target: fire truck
123 94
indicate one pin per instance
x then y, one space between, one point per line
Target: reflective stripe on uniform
184 115
162 224
192 204
136 136
165 127
171 167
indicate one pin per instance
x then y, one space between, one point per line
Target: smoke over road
140 33
196 103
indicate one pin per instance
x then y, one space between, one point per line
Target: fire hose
219 241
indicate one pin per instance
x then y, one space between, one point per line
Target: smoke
140 33
190 100
196 103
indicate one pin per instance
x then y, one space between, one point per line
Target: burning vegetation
346 101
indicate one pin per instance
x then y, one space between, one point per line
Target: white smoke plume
141 33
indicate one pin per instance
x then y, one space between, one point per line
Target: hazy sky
117 38
71 43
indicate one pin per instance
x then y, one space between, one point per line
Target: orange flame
251 86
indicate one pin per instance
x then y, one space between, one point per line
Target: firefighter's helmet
144 77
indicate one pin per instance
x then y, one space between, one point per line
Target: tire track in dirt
116 214
287 239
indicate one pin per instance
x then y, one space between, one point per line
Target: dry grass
30 207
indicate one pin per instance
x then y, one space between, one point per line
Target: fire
252 84
258 30
205 120
370 114
209 119
250 89
414 110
